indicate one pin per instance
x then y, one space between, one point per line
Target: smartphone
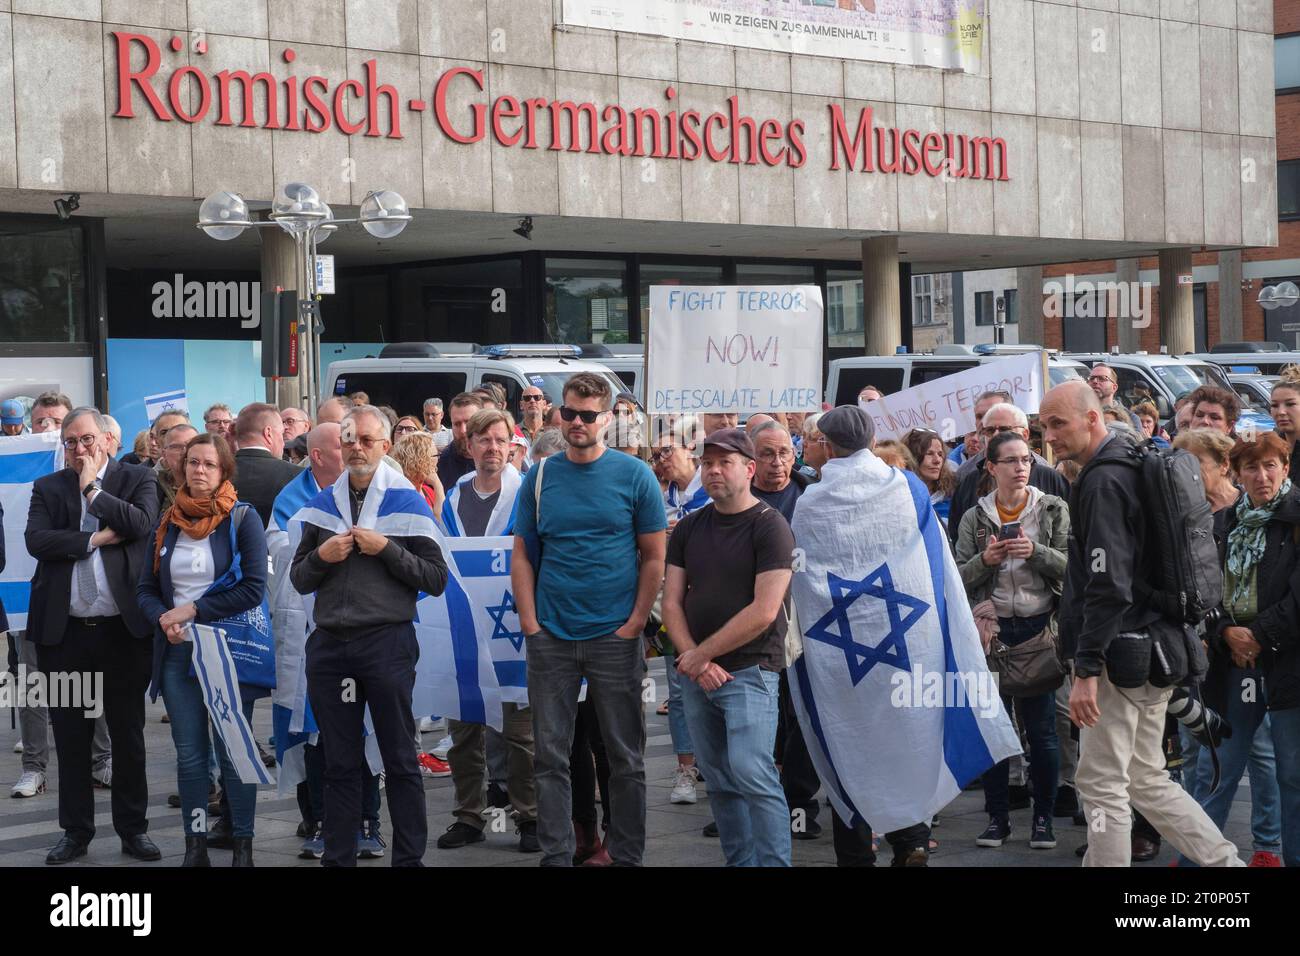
1009 530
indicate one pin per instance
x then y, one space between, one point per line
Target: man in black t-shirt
728 572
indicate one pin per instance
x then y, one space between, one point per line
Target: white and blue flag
892 692
502 519
215 669
163 402
678 504
23 459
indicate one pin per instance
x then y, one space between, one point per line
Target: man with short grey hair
433 412
114 434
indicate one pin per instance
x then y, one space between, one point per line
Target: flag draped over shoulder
502 520
892 692
23 459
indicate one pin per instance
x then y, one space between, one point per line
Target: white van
1248 363
893 373
1163 379
407 373
625 361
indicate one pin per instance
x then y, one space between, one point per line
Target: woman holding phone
1011 551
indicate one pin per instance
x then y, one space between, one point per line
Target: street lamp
299 210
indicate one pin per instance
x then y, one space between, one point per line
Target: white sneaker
426 725
18 747
29 784
444 746
684 785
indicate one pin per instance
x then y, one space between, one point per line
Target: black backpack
1187 580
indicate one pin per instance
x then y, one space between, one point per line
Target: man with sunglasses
532 409
89 529
1001 417
588 562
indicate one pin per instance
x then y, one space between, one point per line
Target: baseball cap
11 412
731 439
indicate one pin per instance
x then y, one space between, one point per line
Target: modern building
1097 130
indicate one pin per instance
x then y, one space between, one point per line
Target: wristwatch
93 486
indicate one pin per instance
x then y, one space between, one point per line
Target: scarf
197 517
1246 540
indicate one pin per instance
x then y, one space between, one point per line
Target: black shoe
497 796
996 833
1144 849
243 855
917 856
1067 802
141 847
1018 797
219 835
711 829
1042 837
810 830
1079 819
196 851
65 851
174 801
306 829
528 838
459 835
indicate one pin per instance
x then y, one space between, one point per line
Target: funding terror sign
464 113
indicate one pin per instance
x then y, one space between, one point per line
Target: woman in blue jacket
188 582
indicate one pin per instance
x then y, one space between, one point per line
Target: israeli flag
23 459
678 504
892 692
502 519
215 669
174 401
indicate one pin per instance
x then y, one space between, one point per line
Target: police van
893 373
625 361
407 373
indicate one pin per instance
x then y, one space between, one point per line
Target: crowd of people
632 542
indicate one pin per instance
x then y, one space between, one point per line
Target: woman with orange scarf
192 552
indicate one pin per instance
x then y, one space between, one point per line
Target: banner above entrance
942 33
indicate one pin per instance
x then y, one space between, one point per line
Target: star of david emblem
219 702
499 629
892 650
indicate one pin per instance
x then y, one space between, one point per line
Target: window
986 305
42 283
888 379
1286 63
404 391
1288 190
753 273
459 301
586 300
932 299
845 314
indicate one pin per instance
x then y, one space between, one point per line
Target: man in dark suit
89 527
260 471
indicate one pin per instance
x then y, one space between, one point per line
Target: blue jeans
1286 747
1246 747
677 726
1038 718
734 728
183 698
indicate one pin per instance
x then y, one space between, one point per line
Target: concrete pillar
1029 305
279 262
1230 329
1133 315
880 291
1177 320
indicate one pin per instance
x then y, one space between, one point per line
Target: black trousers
343 677
588 766
799 777
125 662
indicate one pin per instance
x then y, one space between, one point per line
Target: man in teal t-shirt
588 562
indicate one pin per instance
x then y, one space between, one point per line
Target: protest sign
741 349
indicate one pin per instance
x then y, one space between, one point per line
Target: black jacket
4 620
1277 624
453 466
1107 554
156 592
128 504
259 477
1042 476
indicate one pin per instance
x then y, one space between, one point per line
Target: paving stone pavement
29 827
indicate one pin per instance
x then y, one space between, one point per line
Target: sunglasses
533 398
569 414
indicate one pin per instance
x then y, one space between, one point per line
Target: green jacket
978 528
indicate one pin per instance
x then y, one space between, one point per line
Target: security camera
525 228
66 207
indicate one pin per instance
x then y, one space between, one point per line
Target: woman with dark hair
200 573
1260 623
933 468
1011 551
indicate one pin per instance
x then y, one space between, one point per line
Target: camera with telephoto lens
1208 727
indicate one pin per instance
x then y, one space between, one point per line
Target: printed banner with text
947 405
742 349
948 34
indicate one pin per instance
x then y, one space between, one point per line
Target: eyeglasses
292 421
569 414
404 429
664 452
198 464
85 441
365 441
1100 378
778 454
991 430
1027 462
221 422
532 398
